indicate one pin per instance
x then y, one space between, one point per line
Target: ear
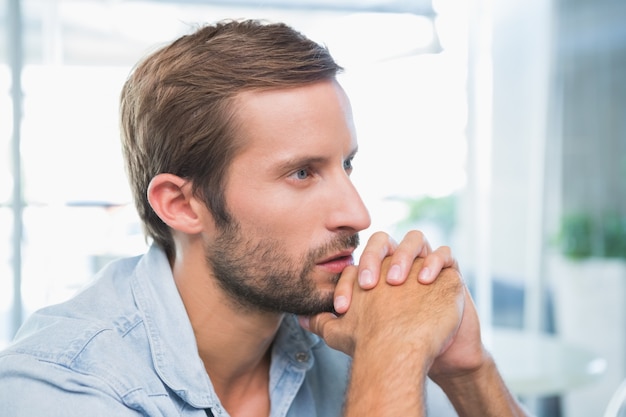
172 200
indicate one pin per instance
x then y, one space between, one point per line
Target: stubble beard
257 275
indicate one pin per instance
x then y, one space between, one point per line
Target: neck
233 343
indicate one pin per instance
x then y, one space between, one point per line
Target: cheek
287 219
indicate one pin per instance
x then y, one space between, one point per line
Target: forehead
310 118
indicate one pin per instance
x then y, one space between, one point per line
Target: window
77 214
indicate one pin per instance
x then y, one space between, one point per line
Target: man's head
178 112
239 144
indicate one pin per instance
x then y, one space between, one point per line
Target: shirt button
302 357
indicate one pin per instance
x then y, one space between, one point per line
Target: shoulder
44 374
94 344
111 352
102 314
111 371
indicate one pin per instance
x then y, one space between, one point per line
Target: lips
338 262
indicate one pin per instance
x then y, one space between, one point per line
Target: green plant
614 234
575 237
582 236
438 210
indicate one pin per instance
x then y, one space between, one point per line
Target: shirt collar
172 340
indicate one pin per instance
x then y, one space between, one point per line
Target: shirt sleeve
34 387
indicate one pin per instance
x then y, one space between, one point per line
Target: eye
347 164
301 174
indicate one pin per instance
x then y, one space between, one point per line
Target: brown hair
177 106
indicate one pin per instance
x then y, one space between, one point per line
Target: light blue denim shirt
125 347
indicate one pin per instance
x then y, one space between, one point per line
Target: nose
348 210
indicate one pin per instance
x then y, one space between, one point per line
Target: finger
379 246
437 260
413 245
317 323
343 290
328 327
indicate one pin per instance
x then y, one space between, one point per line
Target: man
239 144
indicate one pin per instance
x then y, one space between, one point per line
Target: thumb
316 323
329 327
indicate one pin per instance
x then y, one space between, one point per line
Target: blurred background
496 127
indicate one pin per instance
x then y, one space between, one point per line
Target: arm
468 375
481 393
391 362
434 332
387 380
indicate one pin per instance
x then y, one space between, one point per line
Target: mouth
337 262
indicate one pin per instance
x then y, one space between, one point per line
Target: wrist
470 364
469 375
479 391
387 379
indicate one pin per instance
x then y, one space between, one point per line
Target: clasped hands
405 296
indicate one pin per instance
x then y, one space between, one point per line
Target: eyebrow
295 163
298 162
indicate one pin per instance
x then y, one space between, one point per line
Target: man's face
296 213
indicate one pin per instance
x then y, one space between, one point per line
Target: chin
311 308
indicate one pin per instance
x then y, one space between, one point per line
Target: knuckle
378 236
445 249
416 234
374 253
